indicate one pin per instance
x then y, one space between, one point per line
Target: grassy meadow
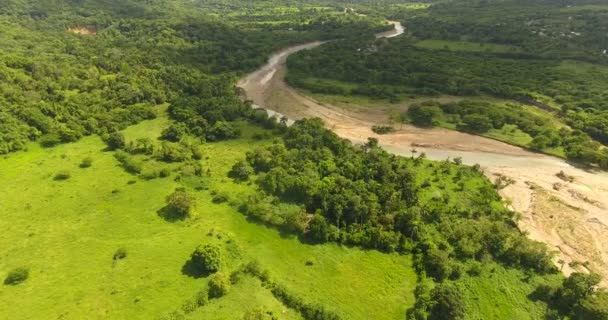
467 46
66 233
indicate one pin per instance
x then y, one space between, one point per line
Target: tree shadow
189 269
170 215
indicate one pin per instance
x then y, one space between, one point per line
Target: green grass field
66 233
501 293
467 46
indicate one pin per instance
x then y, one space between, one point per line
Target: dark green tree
207 258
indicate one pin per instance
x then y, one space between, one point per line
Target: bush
120 254
62 175
172 152
383 129
448 304
219 285
220 197
49 141
425 115
202 297
86 162
207 258
241 171
222 131
189 306
477 123
115 140
180 203
164 172
437 264
16 276
128 163
259 314
175 132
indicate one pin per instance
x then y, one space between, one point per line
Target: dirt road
571 217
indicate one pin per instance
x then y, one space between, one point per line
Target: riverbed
570 217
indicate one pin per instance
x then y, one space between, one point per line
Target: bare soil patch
83 30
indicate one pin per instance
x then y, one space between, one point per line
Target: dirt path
571 217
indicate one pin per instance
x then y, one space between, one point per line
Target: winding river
571 217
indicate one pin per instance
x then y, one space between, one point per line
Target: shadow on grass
190 269
170 215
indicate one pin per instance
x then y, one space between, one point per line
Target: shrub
62 175
222 131
115 140
477 123
202 297
149 174
448 304
197 153
220 197
189 306
86 162
219 285
164 172
120 254
172 152
180 203
241 171
207 258
175 132
128 163
49 141
425 115
132 166
383 129
259 314
16 276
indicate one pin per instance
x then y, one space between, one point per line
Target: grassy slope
500 293
67 231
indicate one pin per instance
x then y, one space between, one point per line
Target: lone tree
180 203
116 140
207 258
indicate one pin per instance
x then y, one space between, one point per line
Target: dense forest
551 28
573 90
71 69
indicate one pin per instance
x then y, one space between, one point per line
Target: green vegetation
179 204
16 276
455 48
511 122
70 219
244 217
76 68
219 285
207 258
466 46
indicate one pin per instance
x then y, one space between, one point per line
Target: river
571 217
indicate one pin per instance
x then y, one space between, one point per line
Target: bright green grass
248 294
501 293
66 233
413 6
466 46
